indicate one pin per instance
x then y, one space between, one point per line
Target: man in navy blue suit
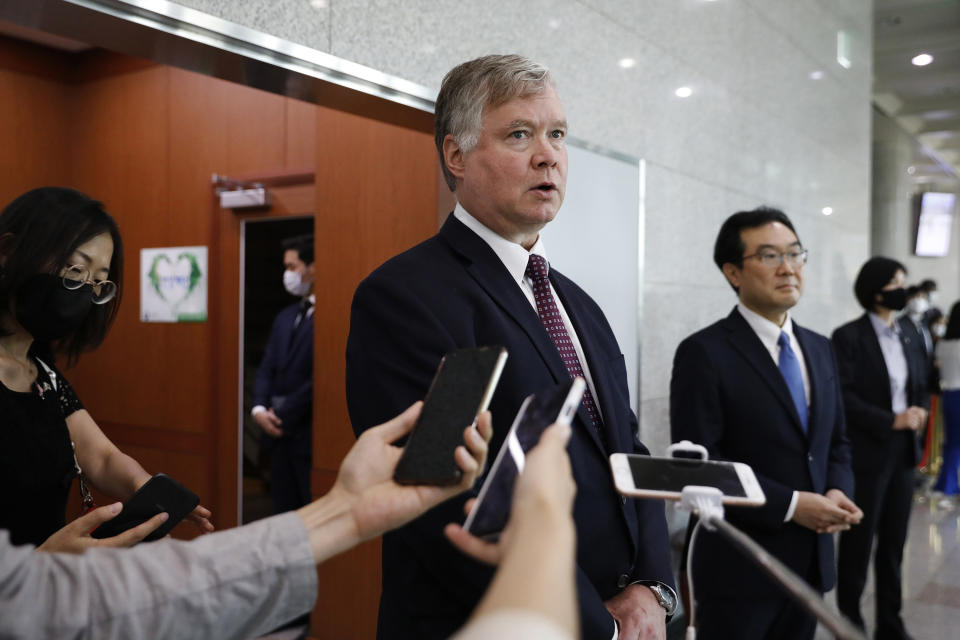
757 388
283 390
484 280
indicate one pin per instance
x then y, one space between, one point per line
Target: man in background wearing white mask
283 390
913 325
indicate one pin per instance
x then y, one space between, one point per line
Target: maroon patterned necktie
537 270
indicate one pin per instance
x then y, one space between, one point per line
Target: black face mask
895 299
48 310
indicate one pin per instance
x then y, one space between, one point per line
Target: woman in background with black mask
886 399
61 262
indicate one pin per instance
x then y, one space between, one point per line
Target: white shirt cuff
257 409
792 507
616 631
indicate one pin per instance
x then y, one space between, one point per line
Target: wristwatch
665 595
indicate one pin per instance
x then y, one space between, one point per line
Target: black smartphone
491 511
159 494
460 391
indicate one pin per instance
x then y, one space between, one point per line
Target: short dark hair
913 290
874 276
39 231
928 285
729 246
953 323
303 245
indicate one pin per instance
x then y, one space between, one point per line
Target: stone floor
931 573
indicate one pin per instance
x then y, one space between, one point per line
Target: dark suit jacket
728 395
449 292
914 339
287 371
866 393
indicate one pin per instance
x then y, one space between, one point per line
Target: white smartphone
641 476
491 511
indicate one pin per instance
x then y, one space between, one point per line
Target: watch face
667 601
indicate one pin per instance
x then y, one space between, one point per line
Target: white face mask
939 330
933 295
917 306
294 284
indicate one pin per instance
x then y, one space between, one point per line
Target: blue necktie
790 370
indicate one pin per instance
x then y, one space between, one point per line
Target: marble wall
772 118
892 225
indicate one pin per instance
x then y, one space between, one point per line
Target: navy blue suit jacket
728 395
449 292
287 370
866 393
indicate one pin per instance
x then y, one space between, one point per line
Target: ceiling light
816 75
922 59
826 211
318 4
911 170
627 63
553 23
683 92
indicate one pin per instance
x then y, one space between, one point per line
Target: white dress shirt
769 334
896 360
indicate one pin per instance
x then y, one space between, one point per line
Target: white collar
767 330
513 256
881 327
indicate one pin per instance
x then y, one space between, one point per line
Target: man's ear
453 156
732 273
309 271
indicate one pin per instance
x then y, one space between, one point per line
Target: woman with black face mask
61 262
884 380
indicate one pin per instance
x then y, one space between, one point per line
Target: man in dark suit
757 388
917 336
886 399
484 280
283 390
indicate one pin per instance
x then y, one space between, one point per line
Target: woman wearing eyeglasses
884 383
61 258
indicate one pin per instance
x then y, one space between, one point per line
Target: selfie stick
706 503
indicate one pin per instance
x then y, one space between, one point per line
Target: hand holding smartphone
460 391
159 494
491 511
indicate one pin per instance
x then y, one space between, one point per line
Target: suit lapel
744 340
870 344
298 333
485 267
599 372
816 366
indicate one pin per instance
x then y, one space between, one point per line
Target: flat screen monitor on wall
934 223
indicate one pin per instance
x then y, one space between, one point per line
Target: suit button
810 457
623 580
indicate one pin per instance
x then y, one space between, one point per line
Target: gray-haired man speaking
484 279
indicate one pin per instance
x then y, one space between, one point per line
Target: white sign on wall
173 284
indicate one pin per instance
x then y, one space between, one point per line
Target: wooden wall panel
376 196
33 133
301 147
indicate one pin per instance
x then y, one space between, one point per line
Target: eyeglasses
772 259
76 276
